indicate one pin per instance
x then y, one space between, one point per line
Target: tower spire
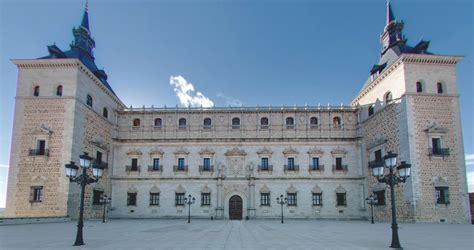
85 17
390 16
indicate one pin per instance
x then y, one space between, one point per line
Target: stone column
251 208
220 192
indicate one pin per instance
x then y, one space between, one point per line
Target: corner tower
410 105
64 106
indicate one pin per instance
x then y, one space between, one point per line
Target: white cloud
469 159
230 100
186 94
3 166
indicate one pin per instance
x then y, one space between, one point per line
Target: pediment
264 189
339 151
41 130
132 189
181 151
207 151
340 190
134 152
315 151
100 144
436 129
205 189
158 152
155 189
316 189
235 152
291 190
180 190
440 182
290 151
264 151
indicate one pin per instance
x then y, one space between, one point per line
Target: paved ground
253 234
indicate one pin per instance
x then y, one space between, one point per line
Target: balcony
291 168
263 126
180 168
39 152
132 168
314 168
339 168
265 168
208 168
438 152
152 168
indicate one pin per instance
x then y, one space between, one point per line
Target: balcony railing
132 168
43 152
209 168
292 168
263 168
155 168
376 163
316 168
438 151
263 126
180 168
339 168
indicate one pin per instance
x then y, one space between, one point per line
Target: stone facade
237 161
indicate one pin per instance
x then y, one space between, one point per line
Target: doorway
235 208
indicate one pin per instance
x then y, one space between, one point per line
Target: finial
87 5
390 16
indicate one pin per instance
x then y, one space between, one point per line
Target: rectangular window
317 199
131 199
436 144
37 194
378 155
265 199
98 157
315 163
206 164
180 163
291 163
291 199
341 199
96 196
134 164
264 162
338 163
442 195
156 163
205 199
179 200
41 147
380 195
154 199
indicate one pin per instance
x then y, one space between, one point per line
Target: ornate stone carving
316 189
264 151
132 189
290 151
41 130
134 152
339 151
235 152
157 152
207 151
180 189
181 151
264 189
340 190
291 189
205 189
155 189
315 151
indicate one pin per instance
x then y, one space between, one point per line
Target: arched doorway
235 208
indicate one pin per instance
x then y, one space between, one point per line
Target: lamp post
395 175
282 201
105 200
189 200
83 179
372 200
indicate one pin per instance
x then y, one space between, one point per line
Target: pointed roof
85 18
390 15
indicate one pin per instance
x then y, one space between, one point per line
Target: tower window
235 122
37 194
419 87
442 195
136 122
59 90
89 100
36 91
439 87
105 113
207 123
371 110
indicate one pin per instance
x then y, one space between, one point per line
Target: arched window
36 91
419 87
313 122
235 122
136 122
290 122
105 112
158 122
89 100
388 97
207 123
59 90
336 122
371 110
439 86
182 123
264 123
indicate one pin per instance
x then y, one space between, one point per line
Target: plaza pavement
224 234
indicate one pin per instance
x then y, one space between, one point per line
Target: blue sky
233 52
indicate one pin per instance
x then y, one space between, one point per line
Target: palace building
237 160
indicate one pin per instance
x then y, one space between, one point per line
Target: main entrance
235 208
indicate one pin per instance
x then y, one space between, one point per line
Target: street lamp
372 200
105 200
282 201
392 179
83 179
189 200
